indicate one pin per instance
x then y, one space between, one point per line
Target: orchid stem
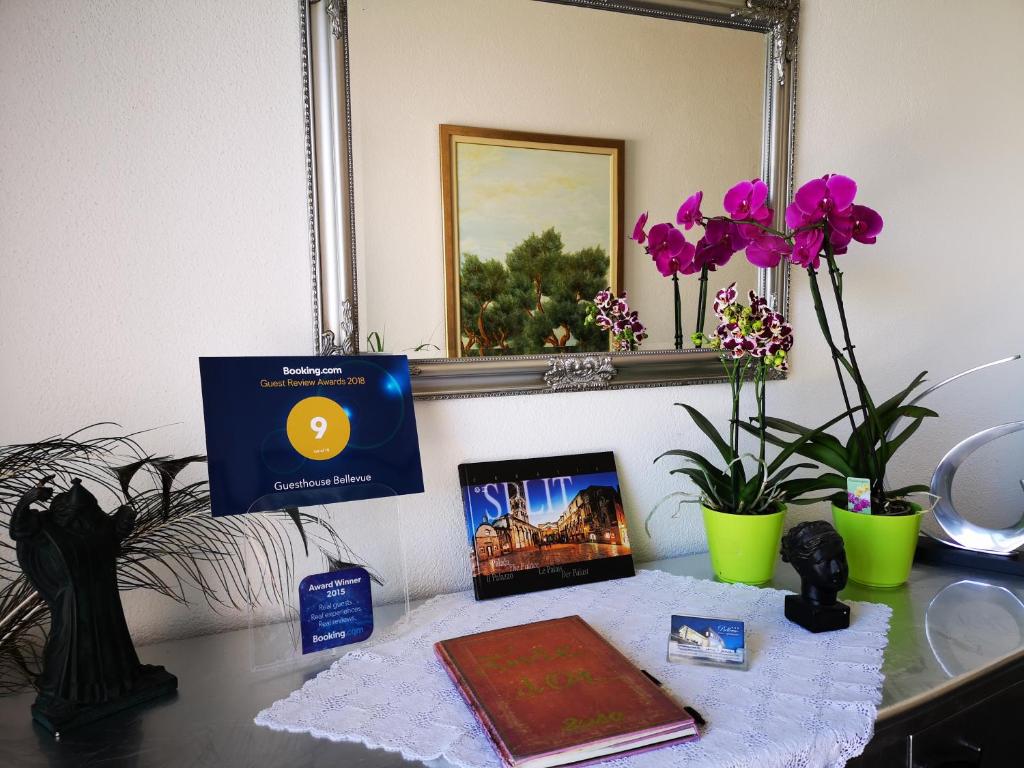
760 384
702 307
819 309
751 222
736 380
870 415
679 311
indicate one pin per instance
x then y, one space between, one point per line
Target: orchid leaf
796 488
699 478
697 459
708 429
839 463
815 435
800 446
902 395
916 412
893 445
787 471
823 448
750 490
899 493
892 416
803 502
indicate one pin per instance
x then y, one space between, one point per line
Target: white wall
152 209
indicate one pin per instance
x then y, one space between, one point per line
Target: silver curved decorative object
1001 541
899 422
963 533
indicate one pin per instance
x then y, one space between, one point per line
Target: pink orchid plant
821 223
744 228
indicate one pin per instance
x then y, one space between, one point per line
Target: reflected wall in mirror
694 94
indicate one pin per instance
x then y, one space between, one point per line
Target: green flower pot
879 548
743 547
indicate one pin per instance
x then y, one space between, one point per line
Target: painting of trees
534 301
532 232
491 315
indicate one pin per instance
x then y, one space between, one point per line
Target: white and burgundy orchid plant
753 340
612 313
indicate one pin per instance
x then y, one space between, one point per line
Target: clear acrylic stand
334 538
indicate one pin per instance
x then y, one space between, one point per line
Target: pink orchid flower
746 200
669 249
767 251
827 197
807 248
865 224
796 218
689 212
639 235
722 238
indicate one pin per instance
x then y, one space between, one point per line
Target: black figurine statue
69 554
817 552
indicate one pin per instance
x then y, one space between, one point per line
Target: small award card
335 609
858 495
712 641
301 431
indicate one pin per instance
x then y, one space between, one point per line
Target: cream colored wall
152 209
529 66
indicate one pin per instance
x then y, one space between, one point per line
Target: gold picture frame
527 201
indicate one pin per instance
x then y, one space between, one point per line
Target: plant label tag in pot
858 495
335 609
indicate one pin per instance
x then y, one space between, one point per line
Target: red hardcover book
555 692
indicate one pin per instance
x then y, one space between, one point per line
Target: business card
716 641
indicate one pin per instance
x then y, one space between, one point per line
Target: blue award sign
335 609
302 431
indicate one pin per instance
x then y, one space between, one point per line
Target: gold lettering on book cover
554 682
572 724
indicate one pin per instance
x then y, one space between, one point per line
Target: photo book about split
543 523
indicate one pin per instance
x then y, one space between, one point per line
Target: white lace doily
806 700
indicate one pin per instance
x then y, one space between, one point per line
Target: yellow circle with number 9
318 428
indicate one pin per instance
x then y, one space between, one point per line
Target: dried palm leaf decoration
177 548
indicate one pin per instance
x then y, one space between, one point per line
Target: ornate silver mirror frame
330 190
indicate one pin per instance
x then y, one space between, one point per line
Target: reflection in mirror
537 221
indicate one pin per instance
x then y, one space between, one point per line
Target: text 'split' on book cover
556 693
543 523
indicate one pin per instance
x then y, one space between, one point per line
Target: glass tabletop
948 625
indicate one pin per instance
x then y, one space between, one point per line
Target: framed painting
532 231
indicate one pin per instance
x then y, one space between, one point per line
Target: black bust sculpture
817 553
69 554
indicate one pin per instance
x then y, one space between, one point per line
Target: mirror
479 165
